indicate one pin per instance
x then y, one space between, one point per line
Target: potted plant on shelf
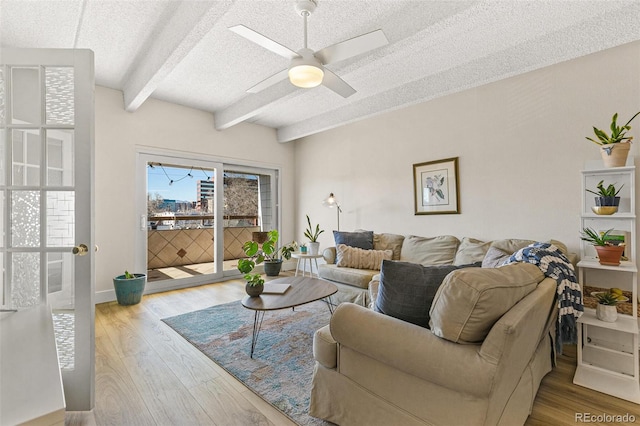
614 148
267 253
609 253
607 200
313 234
303 248
606 309
129 288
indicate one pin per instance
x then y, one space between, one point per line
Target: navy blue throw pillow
360 239
406 290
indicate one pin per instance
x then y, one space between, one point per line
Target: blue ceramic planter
129 291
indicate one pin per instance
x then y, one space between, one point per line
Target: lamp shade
330 201
305 76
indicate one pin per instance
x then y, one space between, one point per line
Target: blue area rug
282 365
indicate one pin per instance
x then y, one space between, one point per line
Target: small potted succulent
267 253
607 200
313 234
303 248
609 253
614 147
606 309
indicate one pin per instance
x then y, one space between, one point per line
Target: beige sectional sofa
354 283
490 343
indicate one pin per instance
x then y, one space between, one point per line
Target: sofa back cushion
391 242
511 245
406 290
470 251
471 300
427 251
354 257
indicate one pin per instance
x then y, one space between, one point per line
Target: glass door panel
45 200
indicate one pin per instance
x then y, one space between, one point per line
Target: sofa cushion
471 250
354 257
511 245
389 242
360 239
406 290
352 276
471 300
494 257
427 251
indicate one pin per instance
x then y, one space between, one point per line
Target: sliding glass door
195 214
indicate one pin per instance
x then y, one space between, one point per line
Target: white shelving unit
608 357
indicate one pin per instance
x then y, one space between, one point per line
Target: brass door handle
80 250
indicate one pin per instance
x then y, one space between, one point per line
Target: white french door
46 200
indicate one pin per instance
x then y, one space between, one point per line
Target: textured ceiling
183 52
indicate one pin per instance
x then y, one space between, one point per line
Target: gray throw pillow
407 289
360 239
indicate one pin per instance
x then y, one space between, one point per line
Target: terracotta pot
615 154
609 255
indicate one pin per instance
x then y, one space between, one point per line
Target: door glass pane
25 219
60 218
60 288
2 97
60 157
25 279
59 95
25 95
26 157
3 150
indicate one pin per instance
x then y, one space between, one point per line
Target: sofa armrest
329 255
412 349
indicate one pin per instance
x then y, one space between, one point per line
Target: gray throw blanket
554 264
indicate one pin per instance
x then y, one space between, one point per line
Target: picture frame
436 187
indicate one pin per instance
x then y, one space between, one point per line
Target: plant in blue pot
129 288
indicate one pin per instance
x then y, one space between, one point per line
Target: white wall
520 142
164 125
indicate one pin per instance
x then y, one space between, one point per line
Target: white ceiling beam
187 25
252 104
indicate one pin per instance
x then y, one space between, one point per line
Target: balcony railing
178 245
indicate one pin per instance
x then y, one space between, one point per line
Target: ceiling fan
307 67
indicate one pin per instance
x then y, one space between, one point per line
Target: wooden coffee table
303 290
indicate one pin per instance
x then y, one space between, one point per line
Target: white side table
304 258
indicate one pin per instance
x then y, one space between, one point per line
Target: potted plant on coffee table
267 253
313 234
607 200
614 147
608 252
129 288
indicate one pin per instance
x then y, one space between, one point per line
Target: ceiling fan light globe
305 76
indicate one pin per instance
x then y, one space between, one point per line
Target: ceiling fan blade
263 41
352 47
337 84
269 81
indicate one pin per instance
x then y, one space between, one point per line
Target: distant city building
174 205
205 193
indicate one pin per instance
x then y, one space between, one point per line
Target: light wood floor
147 375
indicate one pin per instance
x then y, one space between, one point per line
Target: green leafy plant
312 234
128 275
607 298
609 191
596 238
265 252
618 133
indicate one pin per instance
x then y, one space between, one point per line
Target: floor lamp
331 202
